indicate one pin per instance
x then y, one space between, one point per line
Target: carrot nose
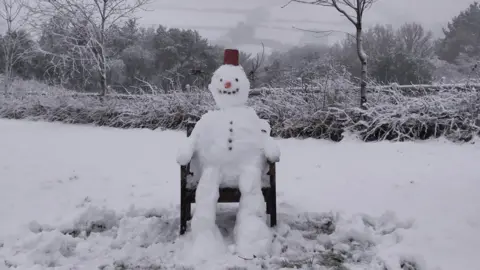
228 85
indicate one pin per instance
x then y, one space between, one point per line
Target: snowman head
230 85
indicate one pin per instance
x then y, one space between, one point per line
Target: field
85 197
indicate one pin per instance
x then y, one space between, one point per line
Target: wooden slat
227 195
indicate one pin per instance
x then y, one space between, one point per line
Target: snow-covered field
80 197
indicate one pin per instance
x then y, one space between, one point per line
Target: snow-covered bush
328 113
390 116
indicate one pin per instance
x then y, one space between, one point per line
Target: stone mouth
228 92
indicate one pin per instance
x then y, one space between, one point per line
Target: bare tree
11 11
354 11
256 63
415 40
92 20
252 65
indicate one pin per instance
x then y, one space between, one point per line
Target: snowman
231 145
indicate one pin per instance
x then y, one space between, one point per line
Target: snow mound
100 238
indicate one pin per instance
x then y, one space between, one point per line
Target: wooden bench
227 194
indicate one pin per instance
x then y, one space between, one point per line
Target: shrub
330 114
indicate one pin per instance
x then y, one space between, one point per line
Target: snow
81 197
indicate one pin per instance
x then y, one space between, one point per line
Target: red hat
231 57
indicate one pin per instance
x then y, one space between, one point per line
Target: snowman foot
207 244
253 237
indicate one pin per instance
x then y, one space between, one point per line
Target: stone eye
236 79
221 80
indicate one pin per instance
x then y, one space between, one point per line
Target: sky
272 23
246 24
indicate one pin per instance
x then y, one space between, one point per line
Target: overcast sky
273 25
213 18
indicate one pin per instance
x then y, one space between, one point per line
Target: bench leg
183 198
183 212
189 211
185 215
273 207
183 221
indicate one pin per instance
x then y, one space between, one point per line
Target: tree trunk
362 56
8 72
103 58
103 80
103 72
6 79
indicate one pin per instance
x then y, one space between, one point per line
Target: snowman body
231 140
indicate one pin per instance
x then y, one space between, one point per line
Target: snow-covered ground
80 197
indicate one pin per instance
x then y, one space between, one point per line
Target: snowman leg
252 234
204 230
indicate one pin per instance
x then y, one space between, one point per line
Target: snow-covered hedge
329 115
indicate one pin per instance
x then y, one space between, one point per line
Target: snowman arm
185 152
187 149
270 147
